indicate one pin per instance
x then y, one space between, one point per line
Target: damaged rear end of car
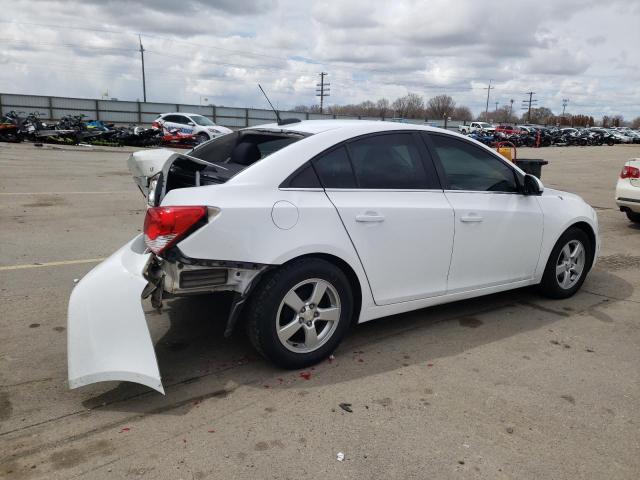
108 335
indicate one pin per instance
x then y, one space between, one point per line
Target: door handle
471 218
369 217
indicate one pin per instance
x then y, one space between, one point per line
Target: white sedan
198 125
315 225
628 190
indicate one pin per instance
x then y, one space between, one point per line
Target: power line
323 90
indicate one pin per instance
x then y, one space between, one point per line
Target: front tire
201 138
299 314
633 216
568 265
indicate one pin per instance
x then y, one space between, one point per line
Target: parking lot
506 386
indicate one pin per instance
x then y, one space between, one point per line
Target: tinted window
468 167
304 178
335 170
388 161
202 121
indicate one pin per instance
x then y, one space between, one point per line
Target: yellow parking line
51 264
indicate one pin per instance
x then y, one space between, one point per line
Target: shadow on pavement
198 363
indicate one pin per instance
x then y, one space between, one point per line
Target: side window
170 118
334 169
303 178
182 120
389 161
468 167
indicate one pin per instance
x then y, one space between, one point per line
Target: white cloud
579 49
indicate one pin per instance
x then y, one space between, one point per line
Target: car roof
180 113
312 127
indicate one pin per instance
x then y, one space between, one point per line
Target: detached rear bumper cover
108 337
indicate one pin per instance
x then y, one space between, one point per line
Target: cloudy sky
585 50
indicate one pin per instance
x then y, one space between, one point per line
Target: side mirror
532 185
191 124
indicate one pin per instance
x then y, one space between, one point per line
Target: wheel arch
352 277
589 231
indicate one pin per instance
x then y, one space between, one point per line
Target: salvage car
628 190
199 126
316 225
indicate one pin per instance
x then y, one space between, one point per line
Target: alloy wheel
570 264
308 315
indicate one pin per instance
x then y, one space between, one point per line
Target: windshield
202 121
484 124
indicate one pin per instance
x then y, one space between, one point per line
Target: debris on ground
346 407
305 375
509 429
340 457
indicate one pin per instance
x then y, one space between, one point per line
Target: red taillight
164 226
630 172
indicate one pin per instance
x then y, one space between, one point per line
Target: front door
498 231
390 202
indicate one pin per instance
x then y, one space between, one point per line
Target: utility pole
144 83
486 110
565 102
322 89
526 104
497 105
510 109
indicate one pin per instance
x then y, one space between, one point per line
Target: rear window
242 148
228 155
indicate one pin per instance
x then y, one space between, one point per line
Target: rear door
498 231
395 212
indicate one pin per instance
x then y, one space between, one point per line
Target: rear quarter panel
245 229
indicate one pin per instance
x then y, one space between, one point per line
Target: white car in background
620 137
199 125
316 225
628 190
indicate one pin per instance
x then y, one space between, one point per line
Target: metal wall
123 112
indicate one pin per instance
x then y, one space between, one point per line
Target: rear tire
567 265
298 337
633 216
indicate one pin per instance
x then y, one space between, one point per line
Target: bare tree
540 115
409 106
383 107
635 123
440 106
463 113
